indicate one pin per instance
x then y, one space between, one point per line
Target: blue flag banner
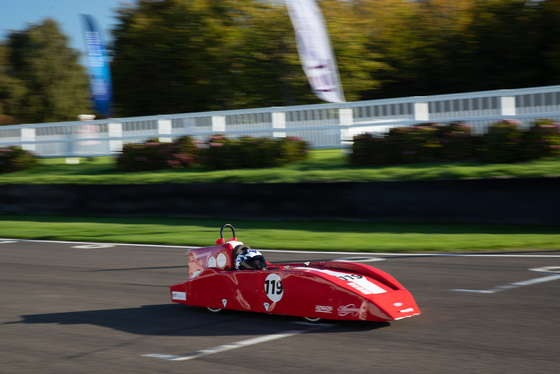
98 66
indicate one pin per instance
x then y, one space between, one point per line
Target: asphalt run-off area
71 307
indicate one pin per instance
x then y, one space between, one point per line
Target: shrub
153 155
457 142
368 149
218 153
248 152
413 144
16 159
502 143
542 140
402 145
293 149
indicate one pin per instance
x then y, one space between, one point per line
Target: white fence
322 125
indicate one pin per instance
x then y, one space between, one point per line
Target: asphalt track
96 308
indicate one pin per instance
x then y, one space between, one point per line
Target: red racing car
230 275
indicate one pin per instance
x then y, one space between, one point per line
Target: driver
250 259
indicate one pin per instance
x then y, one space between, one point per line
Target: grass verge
323 166
302 235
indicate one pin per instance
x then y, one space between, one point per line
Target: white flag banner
315 50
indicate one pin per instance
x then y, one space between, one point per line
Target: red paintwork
327 289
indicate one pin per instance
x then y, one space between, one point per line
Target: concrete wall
490 200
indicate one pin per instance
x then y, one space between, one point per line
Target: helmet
250 259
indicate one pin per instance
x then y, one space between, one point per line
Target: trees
175 56
186 56
55 84
42 80
193 55
11 89
445 46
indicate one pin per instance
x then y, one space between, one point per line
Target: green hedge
16 159
542 140
248 152
504 142
217 153
153 155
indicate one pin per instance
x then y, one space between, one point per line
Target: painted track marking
93 246
547 269
239 344
360 259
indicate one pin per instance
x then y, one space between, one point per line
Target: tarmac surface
71 307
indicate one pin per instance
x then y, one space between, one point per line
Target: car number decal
273 287
356 281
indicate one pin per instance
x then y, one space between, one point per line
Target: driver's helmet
250 259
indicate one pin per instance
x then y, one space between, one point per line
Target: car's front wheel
214 310
312 319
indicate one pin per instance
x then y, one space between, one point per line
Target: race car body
334 290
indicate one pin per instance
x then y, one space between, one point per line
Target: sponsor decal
407 310
366 287
266 306
273 287
323 309
349 277
176 295
211 262
221 260
351 309
224 301
358 282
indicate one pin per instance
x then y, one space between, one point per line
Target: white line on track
411 254
99 243
236 345
513 285
547 269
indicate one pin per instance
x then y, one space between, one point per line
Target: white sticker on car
351 309
273 287
366 287
323 309
211 262
177 295
221 260
356 281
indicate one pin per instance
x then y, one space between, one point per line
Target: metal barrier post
345 118
164 128
218 124
421 112
279 122
508 105
28 135
115 131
